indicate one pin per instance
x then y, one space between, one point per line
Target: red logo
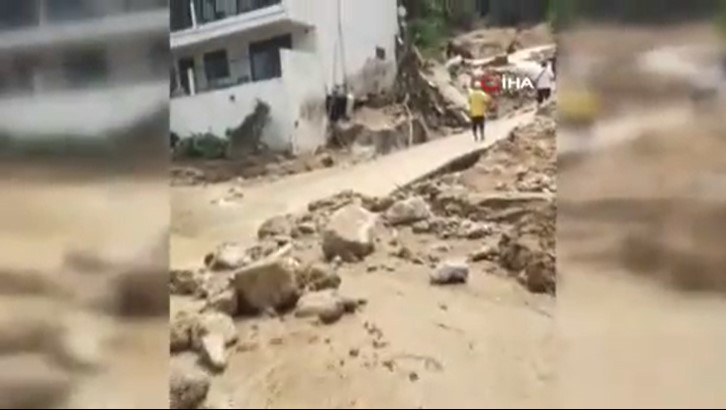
490 84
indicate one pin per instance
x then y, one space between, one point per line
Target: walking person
544 83
478 104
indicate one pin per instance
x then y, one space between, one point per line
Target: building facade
86 66
289 54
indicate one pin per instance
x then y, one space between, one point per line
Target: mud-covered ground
441 294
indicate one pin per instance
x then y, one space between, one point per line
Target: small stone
183 282
440 248
214 323
180 337
275 226
450 272
306 228
188 387
277 341
225 302
484 253
421 227
318 276
413 376
371 268
325 303
354 352
227 256
408 211
330 316
213 350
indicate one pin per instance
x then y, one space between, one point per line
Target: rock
450 272
440 247
227 256
327 160
188 387
421 227
267 284
377 204
318 276
329 317
408 211
349 234
184 282
473 230
213 284
326 302
402 252
214 323
180 332
214 351
540 275
351 305
275 226
486 252
304 228
225 302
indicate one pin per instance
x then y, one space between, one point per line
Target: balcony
198 21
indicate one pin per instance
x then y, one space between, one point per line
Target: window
380 53
186 64
216 67
180 14
265 57
85 67
15 13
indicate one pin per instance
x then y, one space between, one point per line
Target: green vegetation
429 25
721 17
561 13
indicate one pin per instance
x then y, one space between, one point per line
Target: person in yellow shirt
478 104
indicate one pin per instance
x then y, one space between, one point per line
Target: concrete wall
306 95
216 111
366 25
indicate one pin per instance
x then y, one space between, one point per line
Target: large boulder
213 351
408 211
267 284
188 386
349 234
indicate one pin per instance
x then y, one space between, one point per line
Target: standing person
478 104
544 83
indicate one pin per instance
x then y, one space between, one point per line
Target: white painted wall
305 88
366 25
216 111
309 70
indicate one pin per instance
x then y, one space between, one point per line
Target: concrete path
198 224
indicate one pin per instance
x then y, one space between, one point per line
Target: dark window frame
269 48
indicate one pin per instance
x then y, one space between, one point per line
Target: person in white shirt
544 82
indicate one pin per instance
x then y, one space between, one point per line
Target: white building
227 54
81 67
